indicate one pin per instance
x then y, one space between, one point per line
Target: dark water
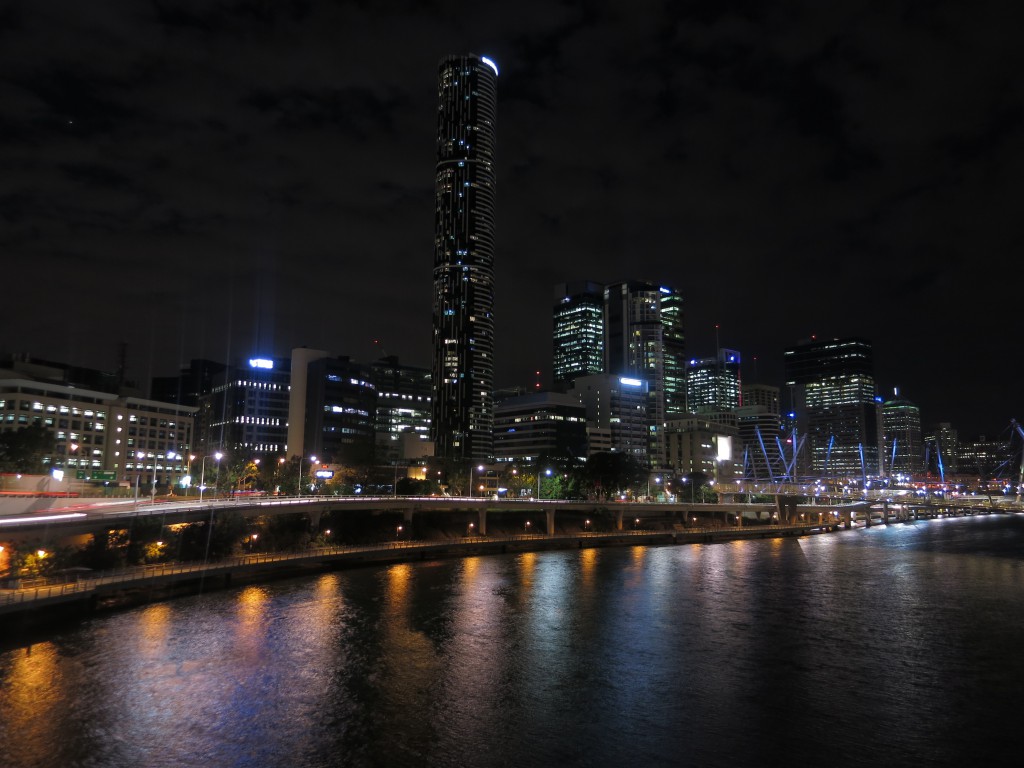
890 646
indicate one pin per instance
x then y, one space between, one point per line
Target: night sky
206 179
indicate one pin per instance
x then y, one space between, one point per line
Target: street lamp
312 461
139 455
480 469
546 472
202 475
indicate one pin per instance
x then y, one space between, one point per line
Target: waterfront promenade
138 584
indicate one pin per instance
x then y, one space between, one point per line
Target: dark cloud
230 175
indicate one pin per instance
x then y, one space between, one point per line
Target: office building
403 410
246 409
540 424
760 429
616 408
635 347
699 448
674 351
339 411
578 334
463 297
100 435
832 387
942 449
713 383
902 453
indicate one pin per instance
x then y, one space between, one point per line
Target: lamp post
72 448
480 469
202 479
546 472
138 473
312 461
152 491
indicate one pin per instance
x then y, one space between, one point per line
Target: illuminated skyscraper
713 383
901 429
578 331
833 392
463 320
644 339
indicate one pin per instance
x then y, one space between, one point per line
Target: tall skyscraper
463 320
578 348
833 391
644 339
674 341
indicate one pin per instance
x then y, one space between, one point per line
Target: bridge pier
550 514
314 519
482 526
787 507
885 512
618 519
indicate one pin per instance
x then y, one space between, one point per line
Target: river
896 645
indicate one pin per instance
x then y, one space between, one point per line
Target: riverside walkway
98 585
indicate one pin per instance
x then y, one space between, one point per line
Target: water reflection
730 654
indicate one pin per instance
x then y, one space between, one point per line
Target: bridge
678 524
69 517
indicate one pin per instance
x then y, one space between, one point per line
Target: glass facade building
578 335
463 298
833 392
713 383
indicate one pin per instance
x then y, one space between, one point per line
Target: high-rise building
942 449
713 383
403 408
833 392
674 345
340 407
578 338
463 320
247 407
617 410
760 426
901 431
639 317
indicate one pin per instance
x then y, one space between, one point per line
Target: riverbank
26 608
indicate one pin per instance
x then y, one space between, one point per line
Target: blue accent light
259 362
490 64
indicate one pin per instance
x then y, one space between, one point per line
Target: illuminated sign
325 474
724 445
259 362
630 382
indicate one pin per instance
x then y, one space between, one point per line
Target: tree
609 473
24 450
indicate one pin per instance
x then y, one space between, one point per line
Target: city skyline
796 172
